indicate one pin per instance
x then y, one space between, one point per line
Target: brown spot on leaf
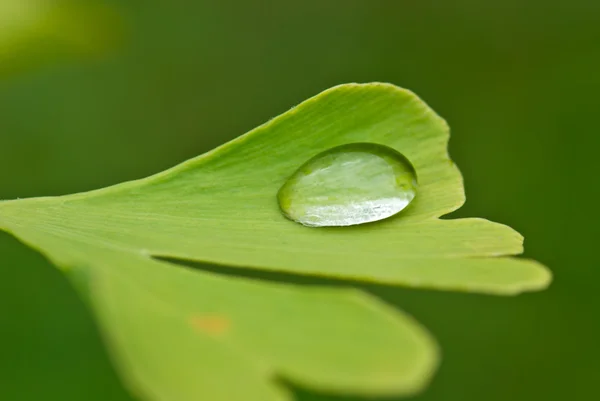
214 325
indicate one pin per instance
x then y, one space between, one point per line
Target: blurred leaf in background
37 31
517 81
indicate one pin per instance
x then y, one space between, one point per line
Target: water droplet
350 184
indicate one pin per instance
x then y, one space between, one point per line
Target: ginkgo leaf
178 334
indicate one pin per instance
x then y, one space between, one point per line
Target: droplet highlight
347 185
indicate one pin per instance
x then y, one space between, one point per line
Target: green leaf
178 334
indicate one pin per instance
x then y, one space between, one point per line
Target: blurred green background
518 81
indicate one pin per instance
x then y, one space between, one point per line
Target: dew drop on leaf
350 184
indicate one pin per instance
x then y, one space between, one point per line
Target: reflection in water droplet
349 184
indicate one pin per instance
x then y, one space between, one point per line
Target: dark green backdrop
517 80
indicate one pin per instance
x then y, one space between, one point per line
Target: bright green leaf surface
179 334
